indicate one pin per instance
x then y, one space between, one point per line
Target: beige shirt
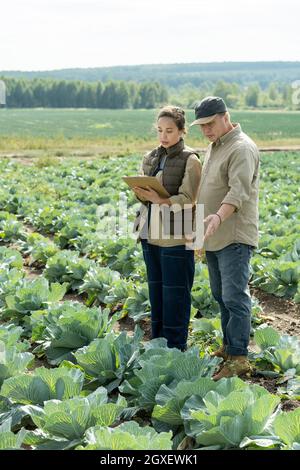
187 194
230 175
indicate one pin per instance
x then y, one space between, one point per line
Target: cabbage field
77 367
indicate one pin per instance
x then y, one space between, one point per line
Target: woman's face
168 132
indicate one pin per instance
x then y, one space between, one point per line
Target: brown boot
221 352
235 365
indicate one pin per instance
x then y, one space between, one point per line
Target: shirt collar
229 135
171 151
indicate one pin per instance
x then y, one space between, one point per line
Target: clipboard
144 181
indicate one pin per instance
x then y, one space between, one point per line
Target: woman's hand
148 195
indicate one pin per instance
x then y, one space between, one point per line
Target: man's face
214 129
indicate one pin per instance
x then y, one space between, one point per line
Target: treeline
274 96
21 93
176 75
117 94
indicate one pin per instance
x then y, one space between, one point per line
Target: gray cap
208 108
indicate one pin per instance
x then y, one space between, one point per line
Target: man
229 192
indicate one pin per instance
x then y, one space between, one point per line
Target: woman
165 227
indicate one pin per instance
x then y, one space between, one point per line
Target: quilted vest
172 176
174 168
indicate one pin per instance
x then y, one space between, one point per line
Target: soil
125 324
128 324
282 314
74 298
266 382
290 405
29 157
146 327
39 362
271 385
31 272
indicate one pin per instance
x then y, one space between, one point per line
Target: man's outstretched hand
213 222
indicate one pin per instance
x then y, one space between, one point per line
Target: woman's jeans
229 276
170 272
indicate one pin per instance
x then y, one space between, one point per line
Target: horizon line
153 64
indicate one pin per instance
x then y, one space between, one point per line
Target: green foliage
46 218
109 360
160 365
126 436
67 266
252 95
32 295
282 352
121 255
10 440
266 337
43 385
13 362
253 84
11 411
137 305
73 228
63 329
62 200
202 298
171 399
234 410
10 337
63 423
292 389
287 428
206 333
10 281
73 94
10 258
97 283
10 228
119 291
39 249
277 277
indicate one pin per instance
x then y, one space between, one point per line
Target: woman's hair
175 113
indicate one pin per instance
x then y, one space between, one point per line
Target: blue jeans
170 272
229 275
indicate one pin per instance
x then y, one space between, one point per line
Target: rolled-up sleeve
188 190
241 170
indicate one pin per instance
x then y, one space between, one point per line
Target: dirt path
31 157
282 314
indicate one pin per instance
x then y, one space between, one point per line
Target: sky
56 34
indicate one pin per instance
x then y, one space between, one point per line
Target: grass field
112 130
